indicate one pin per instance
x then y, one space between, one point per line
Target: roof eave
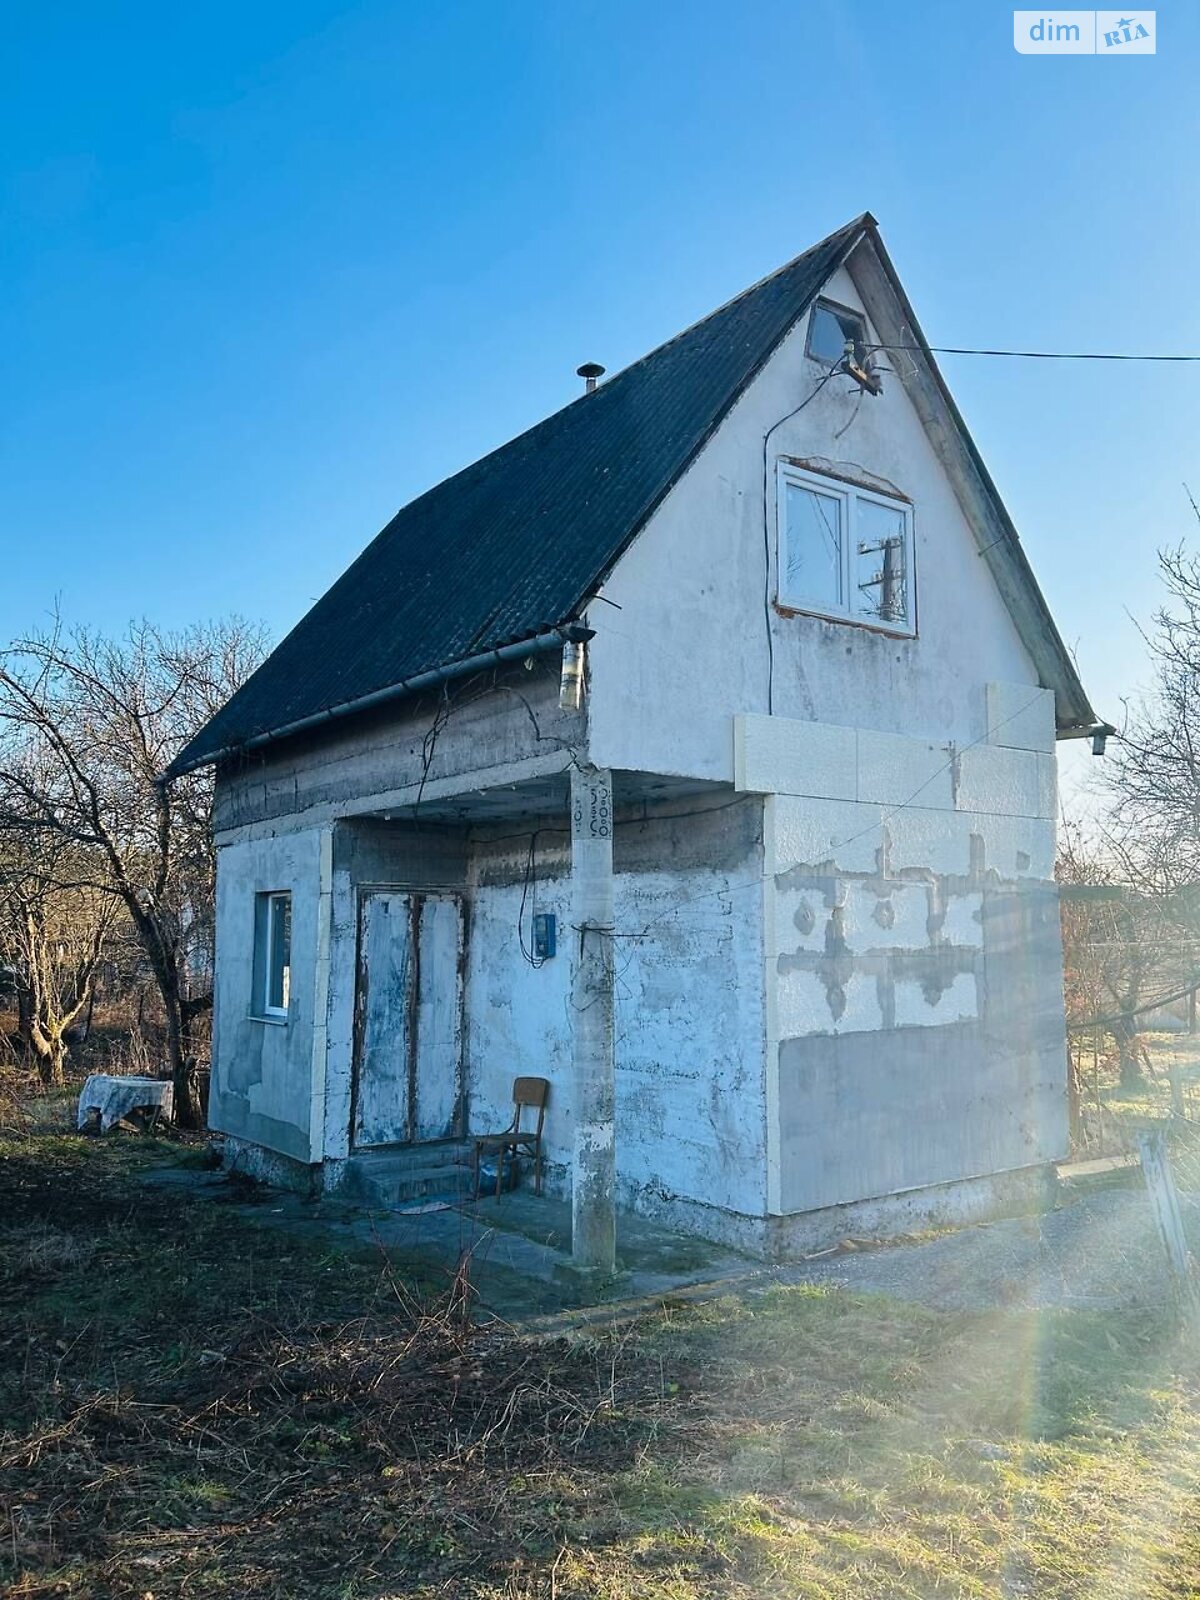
567 632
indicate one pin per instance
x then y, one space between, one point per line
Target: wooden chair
531 1092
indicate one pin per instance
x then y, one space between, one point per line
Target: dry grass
195 1405
1125 1110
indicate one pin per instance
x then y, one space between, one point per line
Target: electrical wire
1029 355
529 953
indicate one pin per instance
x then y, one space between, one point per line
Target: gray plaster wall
864 1114
263 1069
284 1084
690 1046
690 1031
518 1016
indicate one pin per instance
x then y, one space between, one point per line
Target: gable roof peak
512 547
517 542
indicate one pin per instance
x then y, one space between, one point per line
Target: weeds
195 1405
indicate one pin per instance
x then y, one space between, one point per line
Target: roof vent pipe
589 372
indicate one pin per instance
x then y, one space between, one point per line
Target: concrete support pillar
320 1029
593 1191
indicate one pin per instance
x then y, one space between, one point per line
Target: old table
115 1097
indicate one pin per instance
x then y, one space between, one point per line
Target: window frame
264 956
860 341
848 491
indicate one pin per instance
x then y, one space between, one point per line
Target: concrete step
417 1172
409 1157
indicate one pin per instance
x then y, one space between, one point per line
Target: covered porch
474 937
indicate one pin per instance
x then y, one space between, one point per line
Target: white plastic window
844 552
272 953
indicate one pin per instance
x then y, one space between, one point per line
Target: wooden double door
408 1018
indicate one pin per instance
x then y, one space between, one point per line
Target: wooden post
1164 1203
1177 1106
1074 1120
1096 1086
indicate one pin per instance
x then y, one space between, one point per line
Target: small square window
272 954
830 329
844 552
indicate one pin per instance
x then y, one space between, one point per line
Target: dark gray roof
517 543
513 547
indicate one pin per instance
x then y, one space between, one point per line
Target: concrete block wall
913 965
362 765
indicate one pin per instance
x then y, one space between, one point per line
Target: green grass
192 1404
1152 1100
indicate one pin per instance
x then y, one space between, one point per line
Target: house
694 750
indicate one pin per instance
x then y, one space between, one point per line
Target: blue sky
270 270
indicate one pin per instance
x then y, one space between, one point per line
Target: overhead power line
1032 355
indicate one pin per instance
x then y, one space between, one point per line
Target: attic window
845 552
830 329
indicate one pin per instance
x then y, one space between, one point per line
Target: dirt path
1096 1251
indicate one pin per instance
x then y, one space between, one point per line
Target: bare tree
1108 960
1129 943
1153 777
88 725
52 939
